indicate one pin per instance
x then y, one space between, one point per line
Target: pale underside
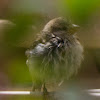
56 64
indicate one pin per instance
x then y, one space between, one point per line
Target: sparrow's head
60 26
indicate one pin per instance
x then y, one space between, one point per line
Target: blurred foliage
23 24
19 72
80 10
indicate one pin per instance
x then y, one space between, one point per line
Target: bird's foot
44 89
46 95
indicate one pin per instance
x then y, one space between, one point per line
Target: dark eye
64 28
55 29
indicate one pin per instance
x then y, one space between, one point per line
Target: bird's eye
56 29
64 28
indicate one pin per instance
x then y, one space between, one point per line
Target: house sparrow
56 54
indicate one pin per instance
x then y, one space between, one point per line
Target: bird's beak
74 28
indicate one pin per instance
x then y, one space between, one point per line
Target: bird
55 55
